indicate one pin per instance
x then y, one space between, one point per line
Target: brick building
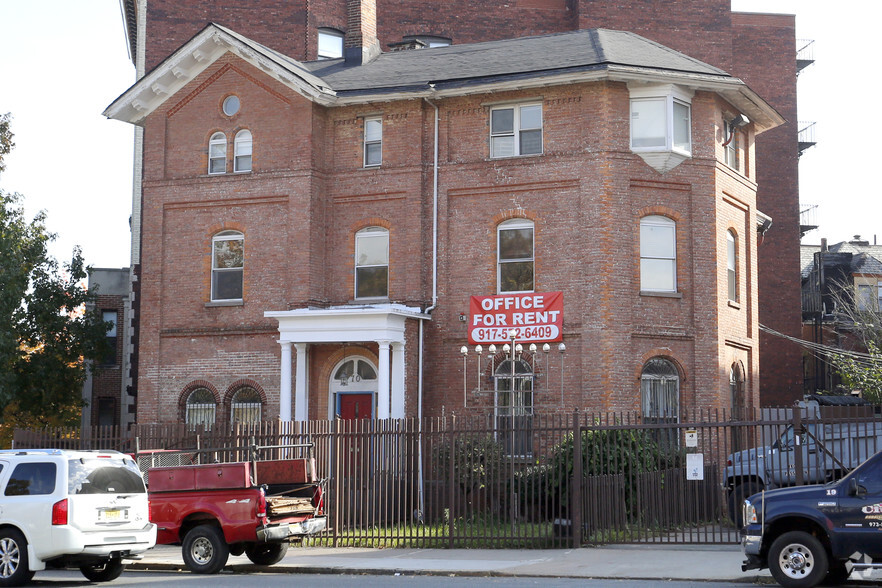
104 391
349 208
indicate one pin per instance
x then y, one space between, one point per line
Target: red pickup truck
252 507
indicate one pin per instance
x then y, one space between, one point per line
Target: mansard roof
528 62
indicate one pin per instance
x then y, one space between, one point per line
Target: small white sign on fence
691 438
695 466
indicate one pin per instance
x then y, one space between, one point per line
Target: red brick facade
309 194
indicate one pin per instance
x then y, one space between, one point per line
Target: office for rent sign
536 317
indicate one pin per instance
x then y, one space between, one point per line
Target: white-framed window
658 254
245 406
865 298
227 265
661 124
231 105
660 397
514 261
429 40
242 151
372 263
373 141
731 146
217 154
330 43
200 408
516 130
732 265
513 385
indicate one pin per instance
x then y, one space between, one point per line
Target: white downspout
432 307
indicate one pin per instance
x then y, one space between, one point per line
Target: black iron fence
575 478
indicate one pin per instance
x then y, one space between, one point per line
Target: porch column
398 380
301 406
285 382
383 382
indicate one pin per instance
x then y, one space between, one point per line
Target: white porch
383 324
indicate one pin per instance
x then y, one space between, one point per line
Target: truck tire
736 498
266 554
798 560
204 550
104 572
13 558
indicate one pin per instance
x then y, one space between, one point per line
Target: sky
62 62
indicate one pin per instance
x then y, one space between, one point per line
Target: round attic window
231 105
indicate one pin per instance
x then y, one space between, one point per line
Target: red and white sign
536 317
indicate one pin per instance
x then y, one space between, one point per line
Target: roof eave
184 65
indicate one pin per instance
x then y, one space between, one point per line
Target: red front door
356 406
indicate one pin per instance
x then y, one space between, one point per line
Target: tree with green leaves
46 334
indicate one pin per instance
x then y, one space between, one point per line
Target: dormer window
330 43
661 125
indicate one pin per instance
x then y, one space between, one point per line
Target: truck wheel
266 554
204 550
736 498
104 572
13 558
797 560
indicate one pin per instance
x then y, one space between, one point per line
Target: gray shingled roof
457 65
866 259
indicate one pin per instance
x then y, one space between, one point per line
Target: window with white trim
516 130
661 124
660 398
372 263
373 141
730 146
227 265
514 251
330 43
732 265
658 254
865 298
242 152
217 154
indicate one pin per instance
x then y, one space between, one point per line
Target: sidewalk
636 562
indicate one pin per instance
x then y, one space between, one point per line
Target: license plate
112 514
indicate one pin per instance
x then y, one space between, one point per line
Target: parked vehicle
252 507
58 508
825 451
809 534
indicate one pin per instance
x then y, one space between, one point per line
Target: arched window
227 265
732 265
660 396
658 254
217 154
200 408
513 384
372 263
242 152
245 406
514 267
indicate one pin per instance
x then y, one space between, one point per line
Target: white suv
59 508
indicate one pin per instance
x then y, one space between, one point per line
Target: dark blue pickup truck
812 534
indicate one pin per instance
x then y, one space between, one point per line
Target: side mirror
855 489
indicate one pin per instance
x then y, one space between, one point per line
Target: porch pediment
375 322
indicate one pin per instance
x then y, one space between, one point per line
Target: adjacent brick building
349 208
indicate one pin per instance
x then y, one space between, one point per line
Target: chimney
823 243
360 45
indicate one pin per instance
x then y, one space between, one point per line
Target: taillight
318 498
59 512
261 504
150 510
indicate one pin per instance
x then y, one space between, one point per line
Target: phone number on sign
495 335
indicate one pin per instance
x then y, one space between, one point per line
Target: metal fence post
797 446
576 484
